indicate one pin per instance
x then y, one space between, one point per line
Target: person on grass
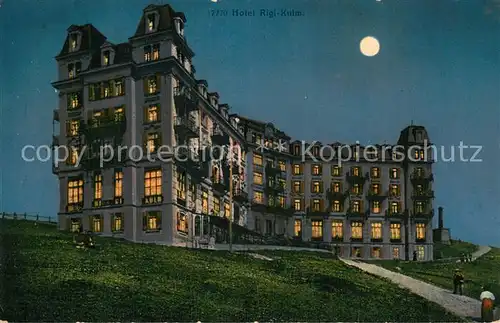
487 305
458 282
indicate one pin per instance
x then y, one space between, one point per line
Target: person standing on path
487 305
458 282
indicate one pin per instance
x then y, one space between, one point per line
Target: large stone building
144 94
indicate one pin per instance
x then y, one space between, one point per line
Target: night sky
439 65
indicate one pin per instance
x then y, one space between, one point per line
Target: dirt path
459 305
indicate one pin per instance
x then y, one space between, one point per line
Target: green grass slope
45 278
455 249
485 270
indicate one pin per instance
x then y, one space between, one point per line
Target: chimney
440 217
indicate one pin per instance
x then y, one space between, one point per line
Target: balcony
219 138
274 188
337 196
152 199
240 195
272 170
218 185
258 205
280 210
423 195
96 203
74 207
355 213
356 178
193 163
184 102
423 213
186 127
311 212
376 195
394 214
110 126
421 179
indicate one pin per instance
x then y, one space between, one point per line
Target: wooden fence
30 217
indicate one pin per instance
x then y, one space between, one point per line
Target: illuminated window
395 253
282 165
216 205
317 229
420 252
204 202
152 142
297 169
419 172
356 230
375 172
298 228
376 252
147 53
73 42
297 204
422 155
118 183
257 178
336 171
73 127
258 197
257 160
394 173
119 114
375 189
419 207
356 206
97 187
376 230
420 228
105 58
395 190
316 169
151 22
355 171
156 52
152 114
152 85
152 221
74 100
281 201
73 156
181 185
118 88
106 89
416 154
395 231
376 207
96 223
316 205
297 186
227 210
337 206
395 208
75 225
357 189
117 222
316 187
337 230
152 182
75 191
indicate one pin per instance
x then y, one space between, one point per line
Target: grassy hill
455 249
45 278
484 270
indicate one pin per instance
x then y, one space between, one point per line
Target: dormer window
73 42
105 58
151 26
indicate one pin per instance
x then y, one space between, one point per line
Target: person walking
487 305
458 282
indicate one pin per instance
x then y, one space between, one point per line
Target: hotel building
144 93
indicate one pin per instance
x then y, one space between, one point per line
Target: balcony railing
219 137
337 195
394 213
240 195
272 170
423 213
376 195
274 188
218 185
152 199
419 178
356 178
74 207
186 127
423 195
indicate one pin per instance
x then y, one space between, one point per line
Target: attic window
105 58
73 38
151 22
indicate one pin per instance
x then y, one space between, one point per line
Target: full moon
369 46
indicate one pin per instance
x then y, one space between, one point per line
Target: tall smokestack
440 218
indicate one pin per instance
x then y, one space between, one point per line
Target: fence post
25 215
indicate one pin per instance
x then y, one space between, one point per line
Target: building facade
159 177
